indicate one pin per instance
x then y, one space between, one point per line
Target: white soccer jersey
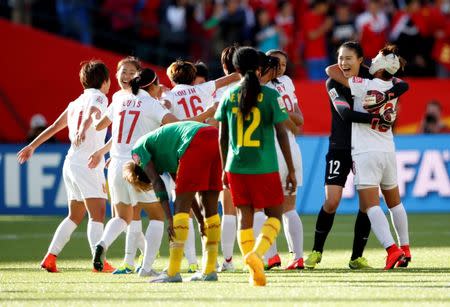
366 138
132 116
75 114
187 101
220 92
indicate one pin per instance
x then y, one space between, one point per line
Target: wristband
162 195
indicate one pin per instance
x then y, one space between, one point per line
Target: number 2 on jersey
244 138
133 125
194 102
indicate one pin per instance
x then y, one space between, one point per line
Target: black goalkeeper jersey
341 131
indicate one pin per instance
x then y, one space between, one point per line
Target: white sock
153 238
400 221
189 245
140 242
380 226
133 231
293 230
258 221
94 233
228 235
62 236
272 251
113 229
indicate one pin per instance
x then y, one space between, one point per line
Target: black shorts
339 164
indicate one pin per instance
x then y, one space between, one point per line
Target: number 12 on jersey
244 138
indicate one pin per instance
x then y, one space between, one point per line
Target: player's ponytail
136 176
144 80
246 62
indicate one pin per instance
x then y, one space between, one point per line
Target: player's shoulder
286 80
266 90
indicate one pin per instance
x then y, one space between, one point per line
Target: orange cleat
49 263
275 261
256 267
295 265
407 259
107 268
395 255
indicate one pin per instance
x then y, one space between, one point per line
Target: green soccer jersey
251 148
165 145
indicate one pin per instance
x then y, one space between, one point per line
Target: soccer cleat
49 263
295 265
199 276
395 254
98 258
145 273
403 263
107 268
125 268
256 267
359 263
275 261
313 259
227 266
193 268
163 278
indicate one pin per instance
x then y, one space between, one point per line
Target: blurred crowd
309 31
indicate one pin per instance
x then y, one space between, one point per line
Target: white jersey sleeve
206 91
358 86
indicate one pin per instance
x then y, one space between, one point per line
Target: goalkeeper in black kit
339 159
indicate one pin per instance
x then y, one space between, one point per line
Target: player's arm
223 142
223 81
60 123
297 116
335 73
377 98
161 194
86 123
290 124
103 123
97 156
291 181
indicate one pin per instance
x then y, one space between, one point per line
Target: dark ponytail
246 61
145 78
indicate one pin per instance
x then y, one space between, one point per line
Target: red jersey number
193 108
133 125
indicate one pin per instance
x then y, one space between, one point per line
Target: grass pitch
24 240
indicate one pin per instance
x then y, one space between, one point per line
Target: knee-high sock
268 234
133 231
400 222
140 242
153 237
246 240
323 227
189 245
181 229
94 233
362 231
258 220
62 236
228 236
293 230
380 226
113 229
211 242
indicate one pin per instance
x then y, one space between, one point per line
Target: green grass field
24 240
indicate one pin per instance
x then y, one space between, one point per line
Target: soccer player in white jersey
292 224
373 153
195 102
133 113
85 187
273 67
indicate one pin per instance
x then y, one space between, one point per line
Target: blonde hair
181 72
135 175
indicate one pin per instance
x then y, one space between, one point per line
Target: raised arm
60 123
223 81
335 73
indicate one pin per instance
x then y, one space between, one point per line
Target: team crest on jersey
333 94
136 159
100 99
357 80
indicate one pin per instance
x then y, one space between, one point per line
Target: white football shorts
82 182
375 168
